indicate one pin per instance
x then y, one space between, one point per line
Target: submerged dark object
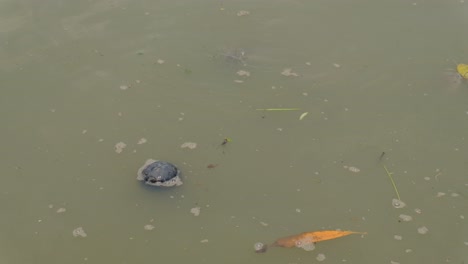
159 173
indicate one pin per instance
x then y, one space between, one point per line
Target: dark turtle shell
159 173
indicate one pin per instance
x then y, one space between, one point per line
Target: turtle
159 173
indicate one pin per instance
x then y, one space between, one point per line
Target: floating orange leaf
312 237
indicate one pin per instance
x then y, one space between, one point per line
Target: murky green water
79 77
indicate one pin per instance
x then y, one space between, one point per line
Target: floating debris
189 145
61 210
142 141
406 218
243 73
440 194
423 230
260 247
352 168
398 203
288 72
398 237
462 69
303 115
212 166
79 232
238 81
119 147
195 211
264 224
336 65
159 61
243 13
124 87
320 257
204 241
307 240
417 210
148 227
298 210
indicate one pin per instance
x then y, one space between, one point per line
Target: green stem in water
393 182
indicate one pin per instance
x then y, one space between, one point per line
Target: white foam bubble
423 230
320 257
406 218
288 72
189 145
398 203
119 147
79 232
243 73
195 211
306 243
142 141
148 227
243 13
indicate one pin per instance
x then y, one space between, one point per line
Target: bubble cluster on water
119 147
406 218
352 169
320 257
195 211
243 73
243 13
259 247
398 203
79 232
423 230
288 72
306 243
189 145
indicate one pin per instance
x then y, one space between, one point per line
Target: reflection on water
91 89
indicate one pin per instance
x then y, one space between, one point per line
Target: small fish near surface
307 240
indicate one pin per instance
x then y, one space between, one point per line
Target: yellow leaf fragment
462 69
